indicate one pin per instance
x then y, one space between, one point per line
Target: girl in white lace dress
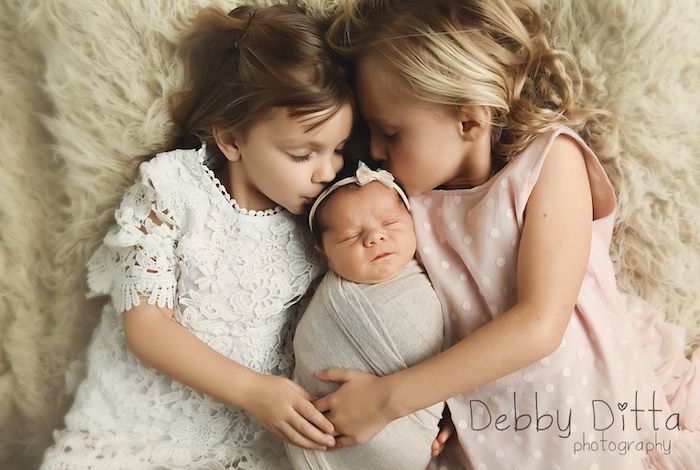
188 366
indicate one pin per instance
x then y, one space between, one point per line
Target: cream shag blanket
82 87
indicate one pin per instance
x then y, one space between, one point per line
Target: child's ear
226 141
474 121
319 249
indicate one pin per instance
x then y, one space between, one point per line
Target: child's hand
447 430
285 409
358 409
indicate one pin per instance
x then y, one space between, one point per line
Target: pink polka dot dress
617 394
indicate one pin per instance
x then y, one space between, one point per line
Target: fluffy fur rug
82 87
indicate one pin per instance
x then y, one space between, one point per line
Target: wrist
246 390
397 400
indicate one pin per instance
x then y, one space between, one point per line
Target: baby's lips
381 255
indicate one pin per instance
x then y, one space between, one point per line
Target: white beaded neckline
201 153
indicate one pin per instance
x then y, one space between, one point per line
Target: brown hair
319 225
473 52
242 65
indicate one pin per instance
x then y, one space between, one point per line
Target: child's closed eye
349 238
386 135
300 157
391 136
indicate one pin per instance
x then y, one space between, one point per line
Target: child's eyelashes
349 238
388 136
300 158
305 157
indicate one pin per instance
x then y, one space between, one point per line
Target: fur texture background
82 95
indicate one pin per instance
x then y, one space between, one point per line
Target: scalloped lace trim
222 189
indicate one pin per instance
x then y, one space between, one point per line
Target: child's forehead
375 70
310 124
353 201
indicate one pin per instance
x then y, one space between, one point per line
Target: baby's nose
374 237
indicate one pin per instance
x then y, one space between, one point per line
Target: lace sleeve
137 258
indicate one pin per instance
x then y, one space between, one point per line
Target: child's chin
296 210
382 276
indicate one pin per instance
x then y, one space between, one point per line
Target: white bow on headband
362 176
365 175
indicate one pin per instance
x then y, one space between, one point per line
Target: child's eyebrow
306 143
376 120
341 232
298 143
337 230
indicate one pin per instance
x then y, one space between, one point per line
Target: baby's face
368 233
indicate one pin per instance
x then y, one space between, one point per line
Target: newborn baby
375 311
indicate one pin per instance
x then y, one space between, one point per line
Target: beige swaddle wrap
380 328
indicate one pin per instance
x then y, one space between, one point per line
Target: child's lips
381 255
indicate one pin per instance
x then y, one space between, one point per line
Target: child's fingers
301 391
436 449
292 436
309 431
437 446
444 435
314 424
344 441
323 404
337 375
315 417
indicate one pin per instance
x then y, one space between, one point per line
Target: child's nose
373 237
324 172
377 149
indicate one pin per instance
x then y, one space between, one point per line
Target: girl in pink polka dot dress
546 364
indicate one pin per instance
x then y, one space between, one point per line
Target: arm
277 403
552 260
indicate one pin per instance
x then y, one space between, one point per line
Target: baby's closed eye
349 237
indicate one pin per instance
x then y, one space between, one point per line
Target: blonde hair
241 66
489 53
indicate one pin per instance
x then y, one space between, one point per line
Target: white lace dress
231 276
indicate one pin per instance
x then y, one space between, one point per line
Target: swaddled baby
374 311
